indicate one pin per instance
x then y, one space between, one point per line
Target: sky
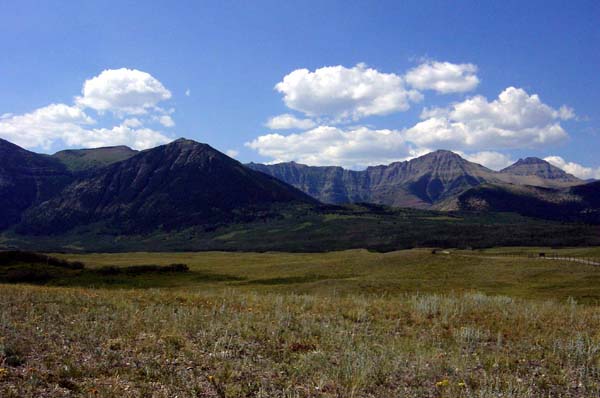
349 83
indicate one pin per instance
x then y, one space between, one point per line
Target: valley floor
341 324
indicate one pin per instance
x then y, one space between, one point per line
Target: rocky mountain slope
171 186
26 178
538 172
424 182
580 203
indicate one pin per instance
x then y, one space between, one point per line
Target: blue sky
208 71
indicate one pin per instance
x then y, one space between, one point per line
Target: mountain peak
533 166
442 157
530 160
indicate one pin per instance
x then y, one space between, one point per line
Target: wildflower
211 378
3 372
462 384
442 383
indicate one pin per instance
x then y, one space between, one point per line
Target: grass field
342 324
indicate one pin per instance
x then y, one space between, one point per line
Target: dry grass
162 343
345 324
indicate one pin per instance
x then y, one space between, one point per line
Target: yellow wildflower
443 383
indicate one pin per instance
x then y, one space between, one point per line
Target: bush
26 276
17 256
143 269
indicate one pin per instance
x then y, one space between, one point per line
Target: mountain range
171 186
189 186
431 181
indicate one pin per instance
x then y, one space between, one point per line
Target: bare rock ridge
427 181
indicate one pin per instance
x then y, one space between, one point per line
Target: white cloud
574 168
122 91
188 92
166 121
325 145
288 121
69 124
232 153
490 159
346 93
133 122
514 120
43 126
143 138
443 77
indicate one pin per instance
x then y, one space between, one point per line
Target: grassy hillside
326 228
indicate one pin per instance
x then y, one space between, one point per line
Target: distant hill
425 182
580 203
26 178
77 160
169 187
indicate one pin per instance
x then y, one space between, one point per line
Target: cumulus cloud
574 168
443 77
344 93
288 121
141 138
59 122
514 120
43 126
122 91
490 159
326 145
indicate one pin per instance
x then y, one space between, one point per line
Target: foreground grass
342 324
69 342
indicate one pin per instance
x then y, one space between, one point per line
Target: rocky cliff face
427 181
